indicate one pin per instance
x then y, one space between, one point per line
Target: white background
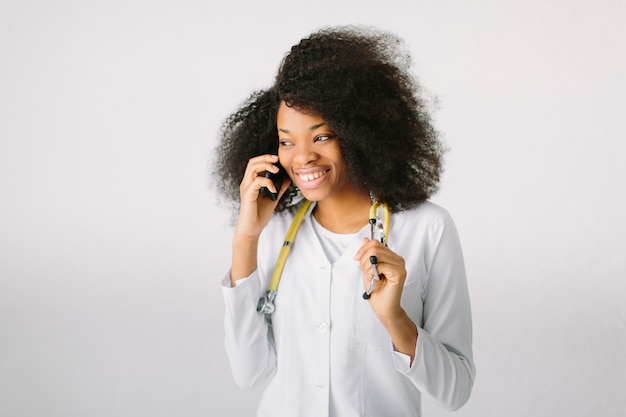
112 244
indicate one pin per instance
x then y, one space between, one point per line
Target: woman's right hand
255 208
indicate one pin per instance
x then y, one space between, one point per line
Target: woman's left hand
385 299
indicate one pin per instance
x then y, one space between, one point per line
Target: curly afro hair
358 80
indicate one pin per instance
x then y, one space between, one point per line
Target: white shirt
326 353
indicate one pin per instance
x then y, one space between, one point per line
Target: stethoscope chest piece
266 303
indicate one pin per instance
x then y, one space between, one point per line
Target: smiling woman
310 153
346 124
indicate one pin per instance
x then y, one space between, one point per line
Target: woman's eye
322 138
285 143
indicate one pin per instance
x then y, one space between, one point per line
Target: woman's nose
304 155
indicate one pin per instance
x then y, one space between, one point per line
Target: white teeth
311 177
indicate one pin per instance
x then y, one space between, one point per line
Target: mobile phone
277 179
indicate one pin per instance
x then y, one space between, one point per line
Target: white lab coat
326 353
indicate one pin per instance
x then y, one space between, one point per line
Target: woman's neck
345 214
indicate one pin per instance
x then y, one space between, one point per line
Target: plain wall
112 244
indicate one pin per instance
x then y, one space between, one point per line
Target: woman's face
309 151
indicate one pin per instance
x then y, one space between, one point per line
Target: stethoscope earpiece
367 294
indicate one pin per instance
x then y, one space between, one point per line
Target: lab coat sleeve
249 342
443 366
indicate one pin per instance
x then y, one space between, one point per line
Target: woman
364 321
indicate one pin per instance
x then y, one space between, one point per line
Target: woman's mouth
311 179
312 175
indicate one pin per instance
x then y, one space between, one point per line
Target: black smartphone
277 179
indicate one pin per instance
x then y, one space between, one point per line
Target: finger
263 181
268 158
384 254
392 273
272 191
257 172
253 184
389 266
256 168
259 165
365 246
371 248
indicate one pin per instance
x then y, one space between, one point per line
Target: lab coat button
323 327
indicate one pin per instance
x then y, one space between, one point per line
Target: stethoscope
379 230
